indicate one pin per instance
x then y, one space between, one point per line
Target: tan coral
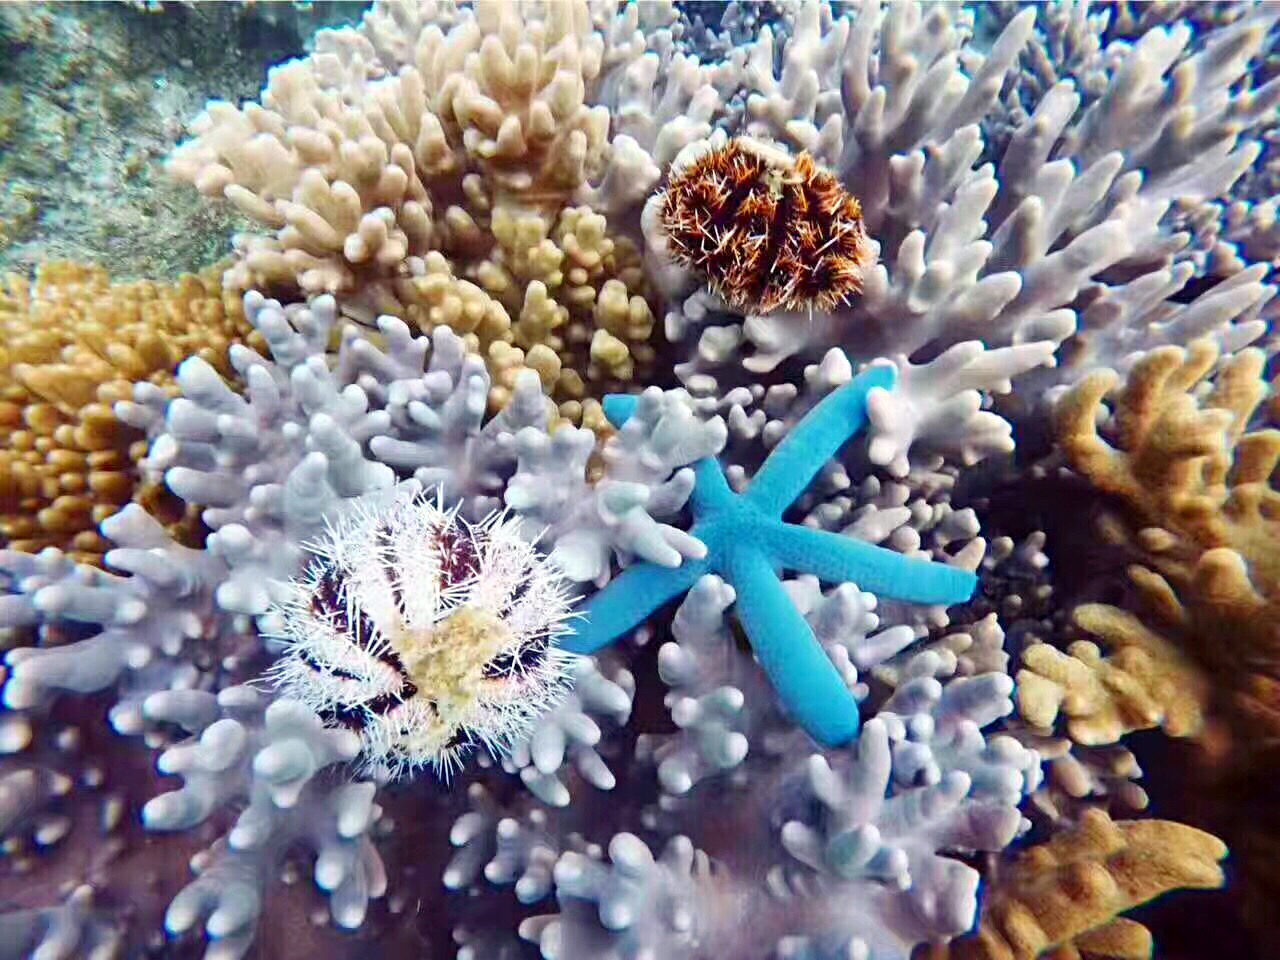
1104 698
423 167
1201 517
1198 509
71 344
1061 899
1076 776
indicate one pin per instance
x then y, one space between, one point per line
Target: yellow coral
1104 698
71 344
1061 899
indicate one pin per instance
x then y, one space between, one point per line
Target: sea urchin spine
769 230
426 634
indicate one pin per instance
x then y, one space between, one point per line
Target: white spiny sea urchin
426 634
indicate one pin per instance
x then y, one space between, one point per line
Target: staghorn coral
72 343
1087 48
1192 472
743 537
271 757
1104 698
274 466
1065 241
854 837
73 928
617 827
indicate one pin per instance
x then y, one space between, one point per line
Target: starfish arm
806 681
836 559
711 490
619 407
628 601
813 441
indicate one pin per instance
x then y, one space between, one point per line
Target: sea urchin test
426 634
769 230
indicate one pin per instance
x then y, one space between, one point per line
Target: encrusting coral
72 343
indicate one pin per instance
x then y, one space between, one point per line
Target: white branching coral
427 163
1064 243
269 757
427 634
458 192
315 434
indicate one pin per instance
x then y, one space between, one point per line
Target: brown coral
1104 698
768 230
1201 517
1198 510
1061 899
71 344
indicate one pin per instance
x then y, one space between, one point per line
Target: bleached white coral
646 480
865 831
1067 240
270 756
566 737
148 616
270 464
73 928
428 634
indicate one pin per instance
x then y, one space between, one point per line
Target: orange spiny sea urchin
768 229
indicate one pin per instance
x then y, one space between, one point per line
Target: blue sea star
749 544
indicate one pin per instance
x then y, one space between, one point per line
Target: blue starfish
748 544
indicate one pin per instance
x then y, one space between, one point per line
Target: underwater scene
639 480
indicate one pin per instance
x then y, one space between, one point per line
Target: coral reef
464 228
1071 237
1187 455
272 467
1194 473
1060 898
419 176
744 538
72 343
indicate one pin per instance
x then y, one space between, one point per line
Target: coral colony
574 522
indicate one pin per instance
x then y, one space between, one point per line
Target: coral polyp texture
768 230
1188 453
72 343
644 473
427 634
